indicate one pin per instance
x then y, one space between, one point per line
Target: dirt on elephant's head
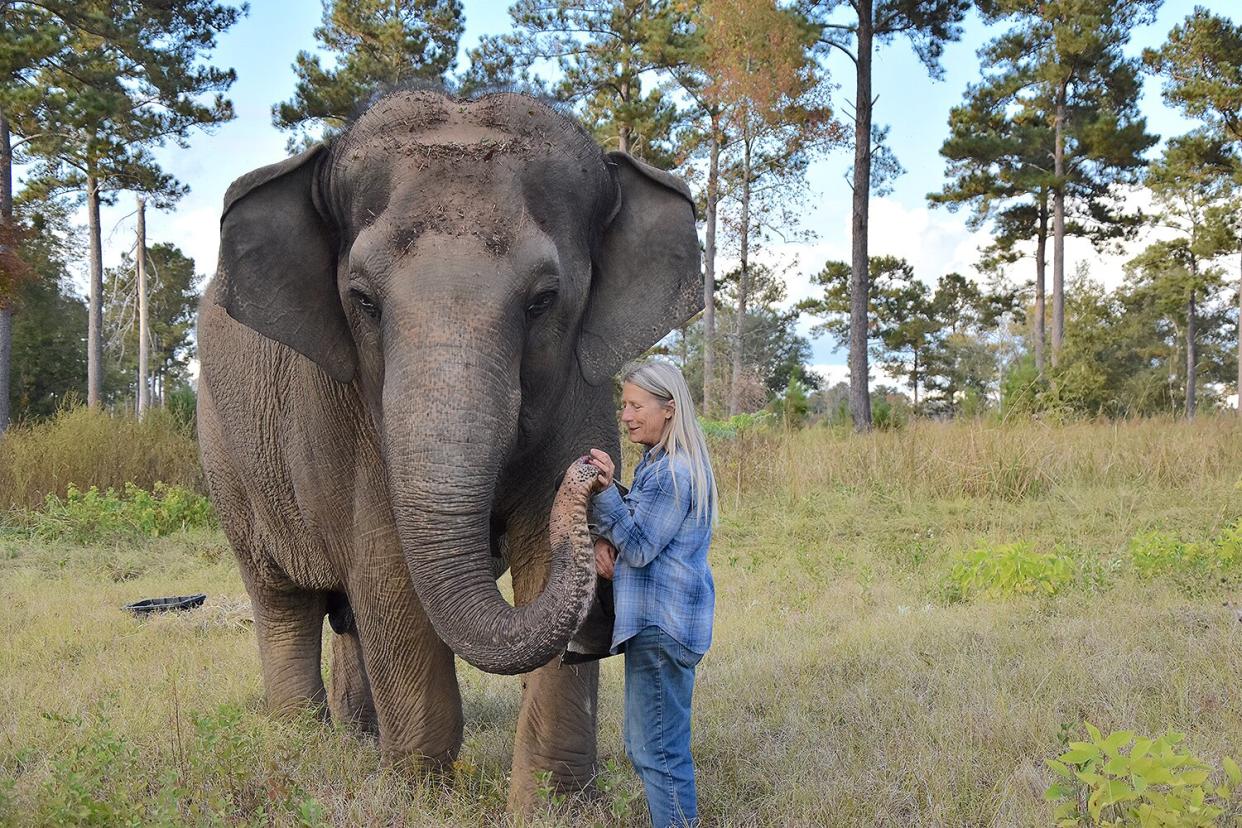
457 159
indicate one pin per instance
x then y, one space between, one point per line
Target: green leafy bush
85 516
737 425
1191 564
1008 570
1153 783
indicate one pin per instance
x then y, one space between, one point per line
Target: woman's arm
657 518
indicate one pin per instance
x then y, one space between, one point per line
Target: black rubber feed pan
179 602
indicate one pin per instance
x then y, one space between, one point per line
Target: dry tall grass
981 459
94 448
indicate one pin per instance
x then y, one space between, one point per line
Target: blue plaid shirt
662 576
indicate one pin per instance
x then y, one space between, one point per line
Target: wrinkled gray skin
410 337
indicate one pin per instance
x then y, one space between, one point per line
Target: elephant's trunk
450 422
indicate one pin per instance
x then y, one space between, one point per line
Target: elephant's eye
365 302
541 303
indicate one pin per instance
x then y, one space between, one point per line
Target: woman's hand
601 460
605 558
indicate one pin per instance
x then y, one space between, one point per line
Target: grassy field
852 681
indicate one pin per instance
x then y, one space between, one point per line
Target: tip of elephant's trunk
476 621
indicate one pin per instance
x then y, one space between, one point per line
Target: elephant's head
469 267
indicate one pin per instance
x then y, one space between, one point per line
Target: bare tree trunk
1058 229
144 394
860 277
6 302
743 284
709 274
1041 255
915 376
94 330
1192 356
623 134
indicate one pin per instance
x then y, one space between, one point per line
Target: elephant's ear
277 271
647 280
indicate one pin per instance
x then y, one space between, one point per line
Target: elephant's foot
536 779
349 691
430 762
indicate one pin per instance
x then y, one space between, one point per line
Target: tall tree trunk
623 132
1058 229
144 394
94 328
1041 263
915 376
6 302
1192 356
743 283
860 392
709 274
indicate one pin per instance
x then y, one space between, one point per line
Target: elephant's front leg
411 672
557 724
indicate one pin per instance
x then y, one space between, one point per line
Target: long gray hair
683 437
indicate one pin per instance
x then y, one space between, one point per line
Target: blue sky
261 47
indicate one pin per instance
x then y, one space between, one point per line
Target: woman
653 543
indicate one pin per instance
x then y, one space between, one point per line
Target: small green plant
1008 570
85 516
615 786
214 767
1191 564
1153 783
547 791
738 424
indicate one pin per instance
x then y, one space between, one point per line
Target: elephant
410 336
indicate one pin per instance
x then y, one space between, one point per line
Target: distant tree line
737 96
87 90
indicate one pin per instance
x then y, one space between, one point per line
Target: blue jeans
659 681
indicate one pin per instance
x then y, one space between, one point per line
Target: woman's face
644 415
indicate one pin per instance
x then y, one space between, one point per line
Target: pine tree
48 351
902 328
997 164
928 24
998 148
377 45
606 52
937 341
1201 66
1064 57
776 105
29 39
686 55
1194 175
128 80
